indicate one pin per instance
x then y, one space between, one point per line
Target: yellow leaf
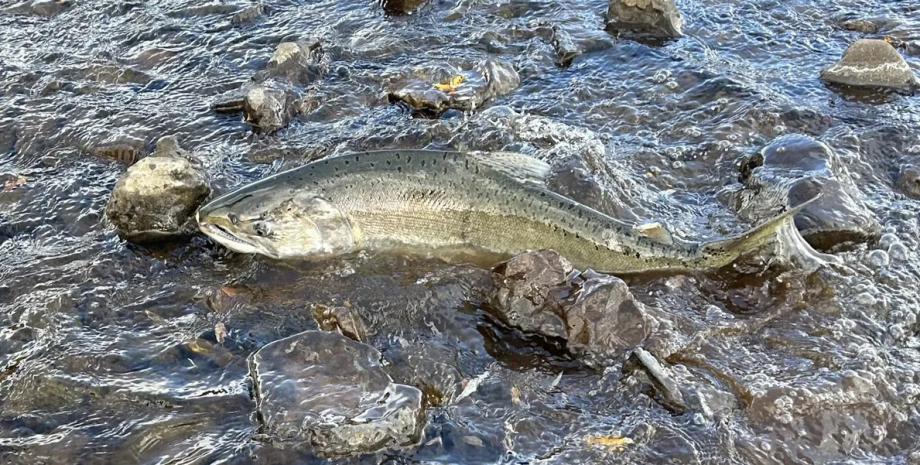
450 85
515 395
614 443
20 180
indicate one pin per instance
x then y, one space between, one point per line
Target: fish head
278 223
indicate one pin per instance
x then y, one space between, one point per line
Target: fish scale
430 200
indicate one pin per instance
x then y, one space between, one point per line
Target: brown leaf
614 443
13 183
220 332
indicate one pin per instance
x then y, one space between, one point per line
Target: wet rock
909 181
156 198
401 7
659 19
343 320
872 63
795 168
127 152
595 314
168 146
428 369
247 14
665 385
566 49
487 80
270 107
860 25
324 390
299 63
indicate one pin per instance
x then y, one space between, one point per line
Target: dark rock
861 25
323 389
909 181
400 7
343 320
270 107
566 49
794 169
595 314
872 63
299 63
658 19
230 102
428 369
487 80
156 198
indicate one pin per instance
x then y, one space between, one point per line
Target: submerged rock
270 107
659 19
156 198
595 314
343 320
909 181
247 14
299 63
487 80
860 25
793 169
324 390
400 7
872 63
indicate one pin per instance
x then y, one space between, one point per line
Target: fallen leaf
614 443
229 291
515 395
450 85
9 184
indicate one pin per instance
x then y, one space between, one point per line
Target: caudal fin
780 230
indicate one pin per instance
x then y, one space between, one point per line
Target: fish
427 200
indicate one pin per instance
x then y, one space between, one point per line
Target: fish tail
779 230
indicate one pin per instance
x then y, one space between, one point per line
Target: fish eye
233 218
262 228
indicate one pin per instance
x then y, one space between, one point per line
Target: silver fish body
433 200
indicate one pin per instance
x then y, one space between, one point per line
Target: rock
657 19
299 63
400 7
909 181
872 63
605 320
127 153
665 386
324 390
860 25
247 14
428 369
156 198
487 80
343 320
525 285
596 315
793 169
168 146
566 49
270 108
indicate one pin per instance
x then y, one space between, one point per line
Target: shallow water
108 352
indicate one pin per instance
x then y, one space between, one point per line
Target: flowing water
109 352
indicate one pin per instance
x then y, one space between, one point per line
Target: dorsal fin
525 169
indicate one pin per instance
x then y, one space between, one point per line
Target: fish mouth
229 240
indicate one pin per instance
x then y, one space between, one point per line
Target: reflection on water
117 353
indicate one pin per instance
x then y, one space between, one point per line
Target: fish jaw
226 238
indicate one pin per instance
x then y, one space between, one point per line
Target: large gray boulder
795 168
595 314
320 390
156 197
872 63
656 19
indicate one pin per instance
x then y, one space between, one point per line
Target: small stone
156 198
488 79
666 387
872 63
343 320
270 108
909 181
247 14
168 146
659 19
565 48
300 63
